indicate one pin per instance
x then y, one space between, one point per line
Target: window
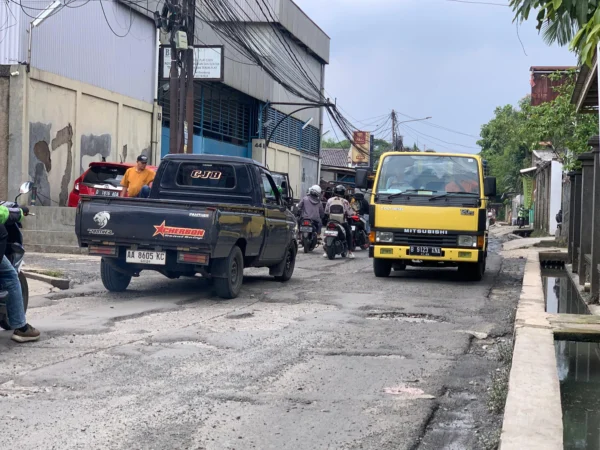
210 176
270 191
401 173
104 175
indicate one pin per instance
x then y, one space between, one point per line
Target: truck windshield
428 175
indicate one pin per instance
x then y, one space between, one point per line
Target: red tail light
355 218
306 222
331 226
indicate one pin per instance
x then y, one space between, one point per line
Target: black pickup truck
206 214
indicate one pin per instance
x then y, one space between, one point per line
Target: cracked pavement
335 358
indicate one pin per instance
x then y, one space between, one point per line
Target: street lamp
414 120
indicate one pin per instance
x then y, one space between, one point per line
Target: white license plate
331 233
107 193
353 227
146 257
306 229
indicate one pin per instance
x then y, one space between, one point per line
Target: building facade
236 116
77 87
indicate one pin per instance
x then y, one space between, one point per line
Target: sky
455 62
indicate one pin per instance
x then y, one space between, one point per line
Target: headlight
384 236
467 241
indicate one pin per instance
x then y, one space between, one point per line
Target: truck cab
429 209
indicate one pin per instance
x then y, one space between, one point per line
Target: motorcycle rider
311 208
363 209
338 200
9 280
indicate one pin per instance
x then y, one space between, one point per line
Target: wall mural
93 145
40 161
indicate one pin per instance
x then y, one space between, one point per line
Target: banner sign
361 150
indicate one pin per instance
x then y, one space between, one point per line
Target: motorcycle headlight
384 236
467 241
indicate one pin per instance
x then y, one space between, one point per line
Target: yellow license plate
386 251
464 254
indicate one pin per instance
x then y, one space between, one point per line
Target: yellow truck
429 209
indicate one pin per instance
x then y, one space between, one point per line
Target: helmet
315 191
339 190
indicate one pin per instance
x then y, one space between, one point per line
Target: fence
581 218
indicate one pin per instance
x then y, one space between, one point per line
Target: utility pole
173 93
189 86
394 137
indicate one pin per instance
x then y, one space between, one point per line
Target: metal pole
189 103
173 100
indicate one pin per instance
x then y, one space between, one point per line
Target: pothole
404 317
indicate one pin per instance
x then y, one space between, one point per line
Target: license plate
306 229
107 193
146 257
331 233
425 251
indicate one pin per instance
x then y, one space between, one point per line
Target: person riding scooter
339 203
9 281
311 208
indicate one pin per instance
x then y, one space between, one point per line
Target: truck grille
424 240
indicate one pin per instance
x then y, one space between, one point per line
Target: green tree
565 21
504 146
331 143
557 126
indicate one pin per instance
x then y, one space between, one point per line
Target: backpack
336 210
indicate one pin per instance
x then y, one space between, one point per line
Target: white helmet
315 190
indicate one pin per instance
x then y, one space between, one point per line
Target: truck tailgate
145 222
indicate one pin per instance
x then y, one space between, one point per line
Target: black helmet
339 190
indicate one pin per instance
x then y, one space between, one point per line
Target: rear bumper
450 254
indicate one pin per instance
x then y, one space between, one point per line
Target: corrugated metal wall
77 43
13 35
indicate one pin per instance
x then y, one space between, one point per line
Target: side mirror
489 186
362 178
26 187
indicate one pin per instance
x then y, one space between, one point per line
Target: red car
102 178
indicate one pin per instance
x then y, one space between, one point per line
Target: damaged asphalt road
335 358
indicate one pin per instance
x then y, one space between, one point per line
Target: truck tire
113 280
382 268
230 286
289 264
472 271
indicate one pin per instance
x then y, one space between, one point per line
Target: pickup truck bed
192 224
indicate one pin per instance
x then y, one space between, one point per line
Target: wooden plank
574 319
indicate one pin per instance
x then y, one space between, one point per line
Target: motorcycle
310 238
360 237
335 240
15 254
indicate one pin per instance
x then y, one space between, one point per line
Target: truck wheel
25 293
472 271
290 264
230 286
113 280
382 268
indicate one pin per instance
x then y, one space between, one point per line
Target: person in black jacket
363 208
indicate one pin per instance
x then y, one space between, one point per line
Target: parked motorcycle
335 240
15 253
310 237
360 238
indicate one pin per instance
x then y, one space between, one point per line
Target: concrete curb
533 412
60 283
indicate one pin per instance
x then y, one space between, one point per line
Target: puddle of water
578 365
561 296
403 317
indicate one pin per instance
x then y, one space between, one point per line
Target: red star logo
160 229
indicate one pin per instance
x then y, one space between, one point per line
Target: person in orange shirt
463 183
137 179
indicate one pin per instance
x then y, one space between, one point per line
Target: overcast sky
453 61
